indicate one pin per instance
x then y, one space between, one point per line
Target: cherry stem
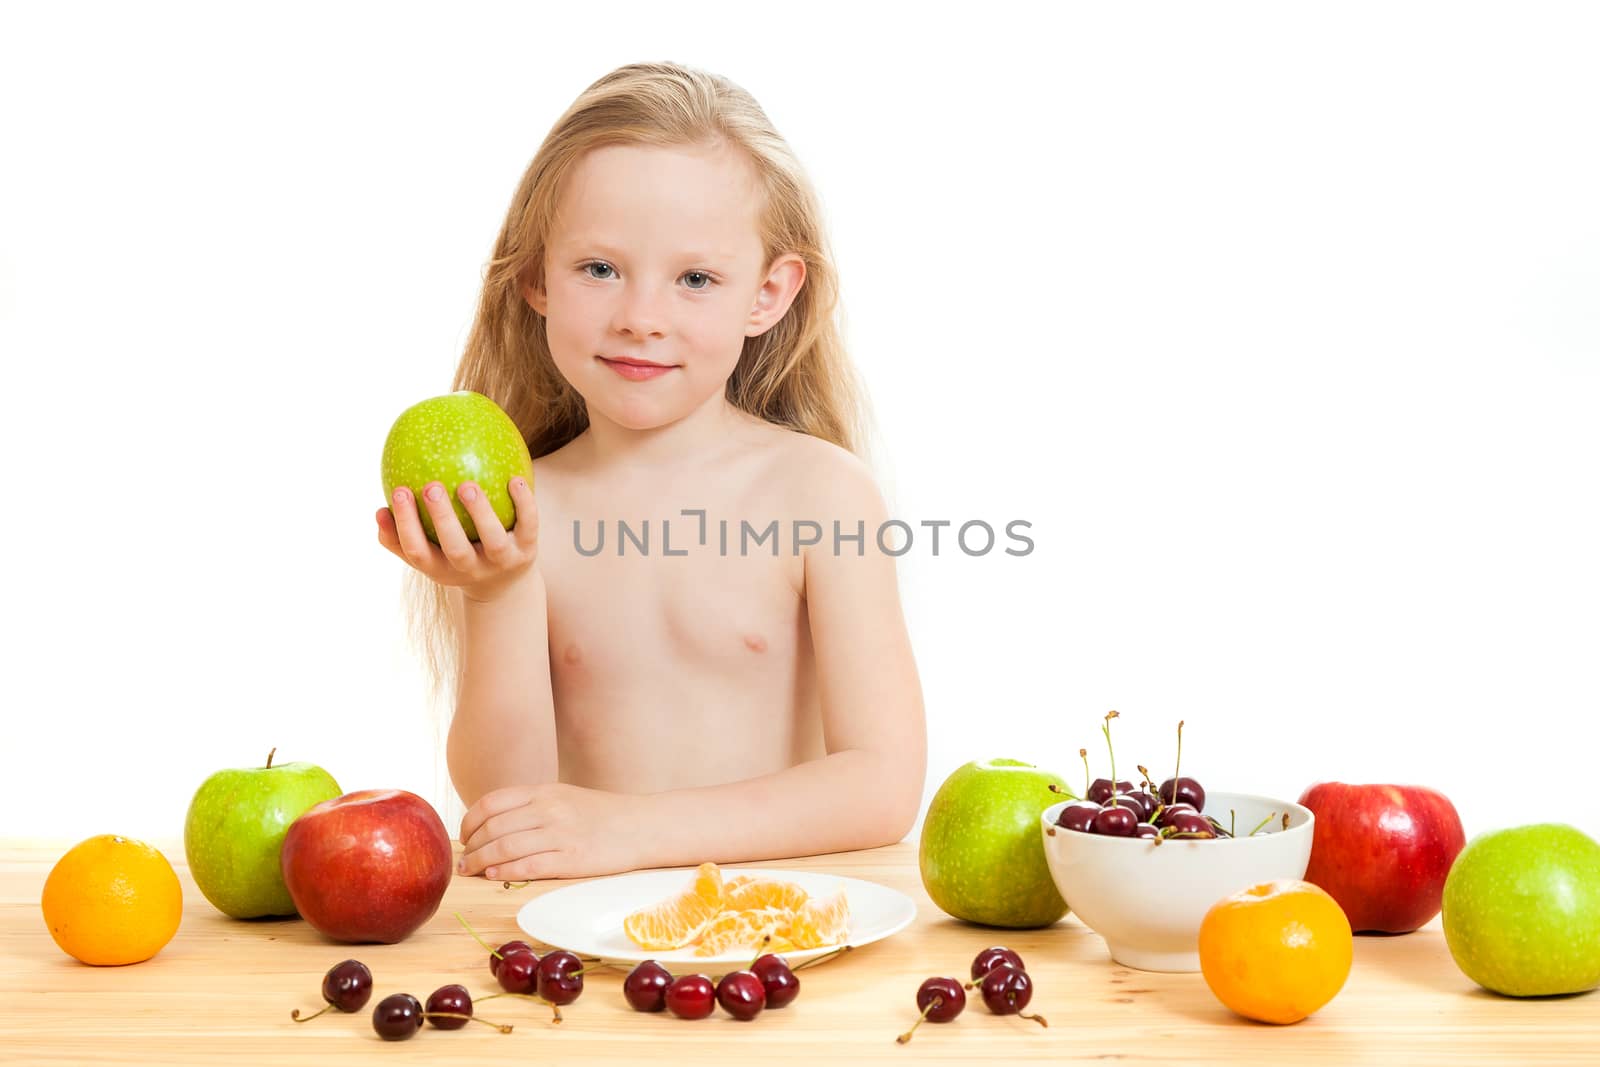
1260 824
274 752
504 1029
526 996
297 1017
1233 815
525 883
492 950
1083 754
984 976
1177 764
814 960
1106 729
761 949
934 1003
1036 1018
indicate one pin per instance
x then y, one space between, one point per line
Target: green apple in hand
982 856
233 834
459 437
1522 911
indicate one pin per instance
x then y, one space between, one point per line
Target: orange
819 922
761 893
1277 951
679 919
112 900
745 929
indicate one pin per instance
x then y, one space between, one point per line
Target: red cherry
691 996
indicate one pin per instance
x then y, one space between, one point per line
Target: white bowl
1147 900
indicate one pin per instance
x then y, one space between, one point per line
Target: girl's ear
534 296
784 279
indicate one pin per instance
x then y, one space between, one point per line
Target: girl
658 320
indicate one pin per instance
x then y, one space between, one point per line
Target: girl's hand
482 570
550 831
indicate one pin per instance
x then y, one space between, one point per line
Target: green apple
233 834
455 438
982 856
1522 911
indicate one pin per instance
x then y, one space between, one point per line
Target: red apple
368 866
1382 851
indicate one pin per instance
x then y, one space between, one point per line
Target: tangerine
749 893
1276 952
679 919
821 921
112 900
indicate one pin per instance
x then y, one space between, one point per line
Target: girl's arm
504 724
865 792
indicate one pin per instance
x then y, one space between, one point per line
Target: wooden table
222 991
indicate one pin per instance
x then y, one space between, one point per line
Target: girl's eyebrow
604 248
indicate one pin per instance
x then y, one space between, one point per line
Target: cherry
691 996
1145 829
347 987
1115 822
449 1007
1165 816
742 995
1186 791
645 988
939 1000
1142 802
560 977
1101 789
781 984
992 957
1191 823
519 971
1078 815
1006 991
397 1016
496 955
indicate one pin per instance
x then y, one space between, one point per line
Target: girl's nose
640 313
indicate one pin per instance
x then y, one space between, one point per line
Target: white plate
587 918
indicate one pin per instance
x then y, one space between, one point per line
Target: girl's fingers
452 538
387 535
418 551
503 850
525 531
491 535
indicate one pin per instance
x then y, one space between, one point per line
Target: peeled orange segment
821 921
743 929
763 893
680 919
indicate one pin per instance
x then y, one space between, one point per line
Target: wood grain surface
222 991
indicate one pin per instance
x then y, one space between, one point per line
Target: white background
1279 324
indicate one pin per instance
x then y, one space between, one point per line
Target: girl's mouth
636 372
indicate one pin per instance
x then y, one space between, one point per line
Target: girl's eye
591 270
704 279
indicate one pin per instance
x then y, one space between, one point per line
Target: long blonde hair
796 374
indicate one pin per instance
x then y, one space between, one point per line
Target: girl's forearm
851 799
503 730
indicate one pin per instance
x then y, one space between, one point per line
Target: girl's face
656 258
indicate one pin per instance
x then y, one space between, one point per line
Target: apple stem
297 1017
1083 754
934 1003
492 950
269 757
1105 728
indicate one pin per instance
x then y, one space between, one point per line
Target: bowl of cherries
1141 864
